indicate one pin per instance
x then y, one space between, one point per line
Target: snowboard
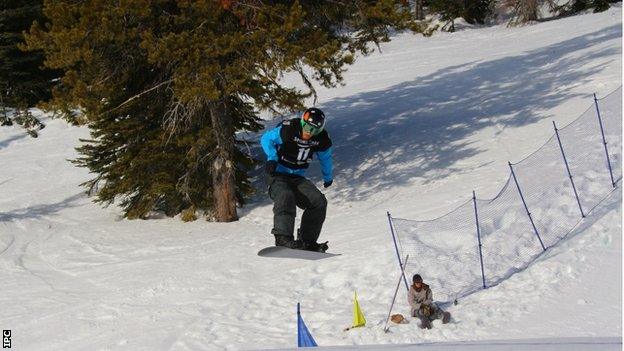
284 252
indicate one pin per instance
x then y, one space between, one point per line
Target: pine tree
477 11
165 86
448 10
523 10
22 81
473 11
575 6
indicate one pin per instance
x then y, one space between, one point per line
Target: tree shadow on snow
39 211
419 128
6 142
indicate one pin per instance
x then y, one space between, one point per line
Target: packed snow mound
417 127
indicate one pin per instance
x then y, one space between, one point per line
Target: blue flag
304 338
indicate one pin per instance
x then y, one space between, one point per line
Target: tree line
167 86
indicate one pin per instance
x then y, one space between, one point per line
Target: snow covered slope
555 344
416 128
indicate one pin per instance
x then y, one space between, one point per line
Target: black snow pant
289 192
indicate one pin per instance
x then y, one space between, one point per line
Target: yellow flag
358 316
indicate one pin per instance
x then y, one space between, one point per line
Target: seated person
420 299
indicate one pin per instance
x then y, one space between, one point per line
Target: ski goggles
310 129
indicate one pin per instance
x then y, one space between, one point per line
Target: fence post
525 206
474 200
604 140
396 247
565 160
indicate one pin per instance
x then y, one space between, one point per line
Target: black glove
327 183
270 166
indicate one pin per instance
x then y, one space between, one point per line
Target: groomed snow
416 128
554 344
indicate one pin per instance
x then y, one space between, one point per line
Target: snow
568 344
416 128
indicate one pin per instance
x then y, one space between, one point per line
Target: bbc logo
6 339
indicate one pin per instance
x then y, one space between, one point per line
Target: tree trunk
527 10
223 180
418 10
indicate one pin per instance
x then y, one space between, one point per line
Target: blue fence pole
474 200
513 174
565 160
396 248
604 140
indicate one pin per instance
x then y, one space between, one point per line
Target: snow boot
288 242
446 317
425 323
318 247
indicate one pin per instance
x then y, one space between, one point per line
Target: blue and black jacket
293 154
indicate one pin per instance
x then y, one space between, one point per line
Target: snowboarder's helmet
417 278
313 121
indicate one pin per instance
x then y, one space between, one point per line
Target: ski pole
395 293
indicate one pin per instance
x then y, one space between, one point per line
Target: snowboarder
289 149
420 298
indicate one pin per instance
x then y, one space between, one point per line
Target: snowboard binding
288 242
317 247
